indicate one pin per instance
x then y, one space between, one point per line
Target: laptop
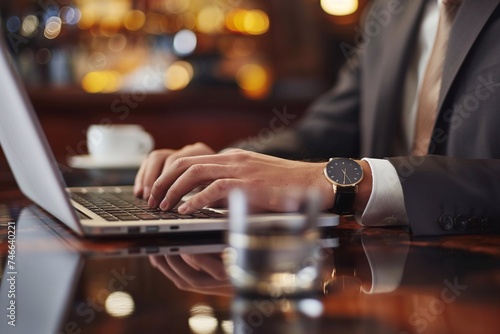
93 211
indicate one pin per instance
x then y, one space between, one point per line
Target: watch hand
345 175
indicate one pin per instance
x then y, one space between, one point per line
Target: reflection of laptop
39 178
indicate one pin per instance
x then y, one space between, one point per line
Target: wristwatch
344 174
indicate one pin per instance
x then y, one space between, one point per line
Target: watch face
344 172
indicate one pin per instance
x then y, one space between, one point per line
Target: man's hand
273 179
201 273
159 160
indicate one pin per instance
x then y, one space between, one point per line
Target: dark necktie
431 84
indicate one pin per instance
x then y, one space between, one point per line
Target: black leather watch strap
344 200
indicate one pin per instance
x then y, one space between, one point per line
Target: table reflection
374 281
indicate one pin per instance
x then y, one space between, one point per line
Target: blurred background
188 70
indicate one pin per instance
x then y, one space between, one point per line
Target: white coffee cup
120 142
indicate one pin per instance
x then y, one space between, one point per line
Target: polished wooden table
373 281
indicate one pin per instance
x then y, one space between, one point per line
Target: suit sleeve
446 195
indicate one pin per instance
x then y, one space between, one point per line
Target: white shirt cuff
386 205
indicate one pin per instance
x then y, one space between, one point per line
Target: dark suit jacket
456 188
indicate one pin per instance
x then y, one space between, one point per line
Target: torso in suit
456 188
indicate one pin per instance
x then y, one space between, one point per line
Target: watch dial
344 171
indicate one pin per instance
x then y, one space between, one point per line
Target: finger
189 260
153 169
138 182
210 263
216 191
189 151
153 260
164 267
193 177
191 277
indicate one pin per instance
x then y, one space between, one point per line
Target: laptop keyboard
124 206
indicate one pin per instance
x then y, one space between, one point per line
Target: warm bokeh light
339 7
178 75
252 22
108 14
256 22
88 19
254 80
210 20
134 20
119 304
117 42
101 82
176 6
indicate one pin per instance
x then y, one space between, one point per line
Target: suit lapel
470 20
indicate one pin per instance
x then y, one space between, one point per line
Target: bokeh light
202 320
119 304
13 24
256 22
29 26
254 80
117 43
88 18
53 27
43 56
339 7
252 22
101 82
134 20
184 42
69 15
178 75
177 6
210 20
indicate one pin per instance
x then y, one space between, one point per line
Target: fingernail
151 202
183 208
164 204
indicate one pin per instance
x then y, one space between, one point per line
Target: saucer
90 162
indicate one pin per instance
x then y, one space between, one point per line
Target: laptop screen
26 148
